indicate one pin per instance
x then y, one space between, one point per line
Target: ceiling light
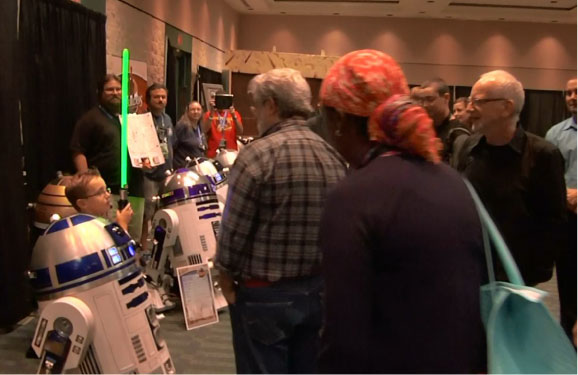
422 12
335 14
283 12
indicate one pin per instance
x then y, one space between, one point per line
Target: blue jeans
276 328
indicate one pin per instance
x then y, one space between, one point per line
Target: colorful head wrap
371 84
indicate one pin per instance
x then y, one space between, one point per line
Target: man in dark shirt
95 142
434 96
519 176
268 238
156 99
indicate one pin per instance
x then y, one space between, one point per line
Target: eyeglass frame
477 102
99 192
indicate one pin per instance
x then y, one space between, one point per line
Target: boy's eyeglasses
100 191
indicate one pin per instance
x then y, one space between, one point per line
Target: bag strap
490 229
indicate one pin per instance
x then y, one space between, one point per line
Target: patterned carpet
206 350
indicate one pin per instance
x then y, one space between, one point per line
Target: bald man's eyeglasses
478 102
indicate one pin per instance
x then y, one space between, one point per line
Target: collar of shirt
517 143
571 123
282 124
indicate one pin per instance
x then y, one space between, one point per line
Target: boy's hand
124 216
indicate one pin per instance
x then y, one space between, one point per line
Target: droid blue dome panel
81 218
57 226
77 268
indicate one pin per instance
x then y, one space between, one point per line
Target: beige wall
143 35
542 56
212 23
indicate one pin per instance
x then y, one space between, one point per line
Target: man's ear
271 106
508 108
446 97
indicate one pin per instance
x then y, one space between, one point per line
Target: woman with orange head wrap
400 236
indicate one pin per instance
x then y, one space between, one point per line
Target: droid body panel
96 312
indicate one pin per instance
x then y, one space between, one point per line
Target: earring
338 133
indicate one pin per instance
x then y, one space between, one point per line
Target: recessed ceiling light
422 12
283 12
335 14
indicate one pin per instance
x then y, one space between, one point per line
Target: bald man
518 176
563 135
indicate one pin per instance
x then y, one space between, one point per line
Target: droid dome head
80 252
226 158
184 185
209 168
52 200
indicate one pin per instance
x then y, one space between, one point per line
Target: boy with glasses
89 194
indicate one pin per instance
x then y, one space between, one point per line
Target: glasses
426 99
477 102
100 191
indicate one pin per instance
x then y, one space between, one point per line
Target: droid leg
64 332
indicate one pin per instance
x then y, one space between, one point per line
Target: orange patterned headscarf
371 84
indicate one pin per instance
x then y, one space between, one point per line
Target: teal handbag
522 336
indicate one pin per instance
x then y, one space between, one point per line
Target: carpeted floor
206 350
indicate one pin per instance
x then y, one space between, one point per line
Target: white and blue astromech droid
96 315
185 230
217 175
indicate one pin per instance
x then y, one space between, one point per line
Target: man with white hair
267 252
519 176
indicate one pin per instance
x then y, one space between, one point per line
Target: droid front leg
64 332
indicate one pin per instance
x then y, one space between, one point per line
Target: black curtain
14 289
171 83
63 48
542 109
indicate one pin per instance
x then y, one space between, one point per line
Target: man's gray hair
287 88
508 87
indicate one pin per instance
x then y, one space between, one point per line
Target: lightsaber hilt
123 201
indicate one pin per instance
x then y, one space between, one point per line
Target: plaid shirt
277 190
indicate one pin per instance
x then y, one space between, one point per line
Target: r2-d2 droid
185 230
215 173
96 315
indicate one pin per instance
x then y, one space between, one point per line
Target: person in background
563 136
156 99
222 127
95 143
189 136
401 239
267 253
88 194
458 135
518 176
434 96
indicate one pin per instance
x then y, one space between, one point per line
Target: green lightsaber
123 138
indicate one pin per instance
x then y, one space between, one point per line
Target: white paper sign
197 295
143 143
